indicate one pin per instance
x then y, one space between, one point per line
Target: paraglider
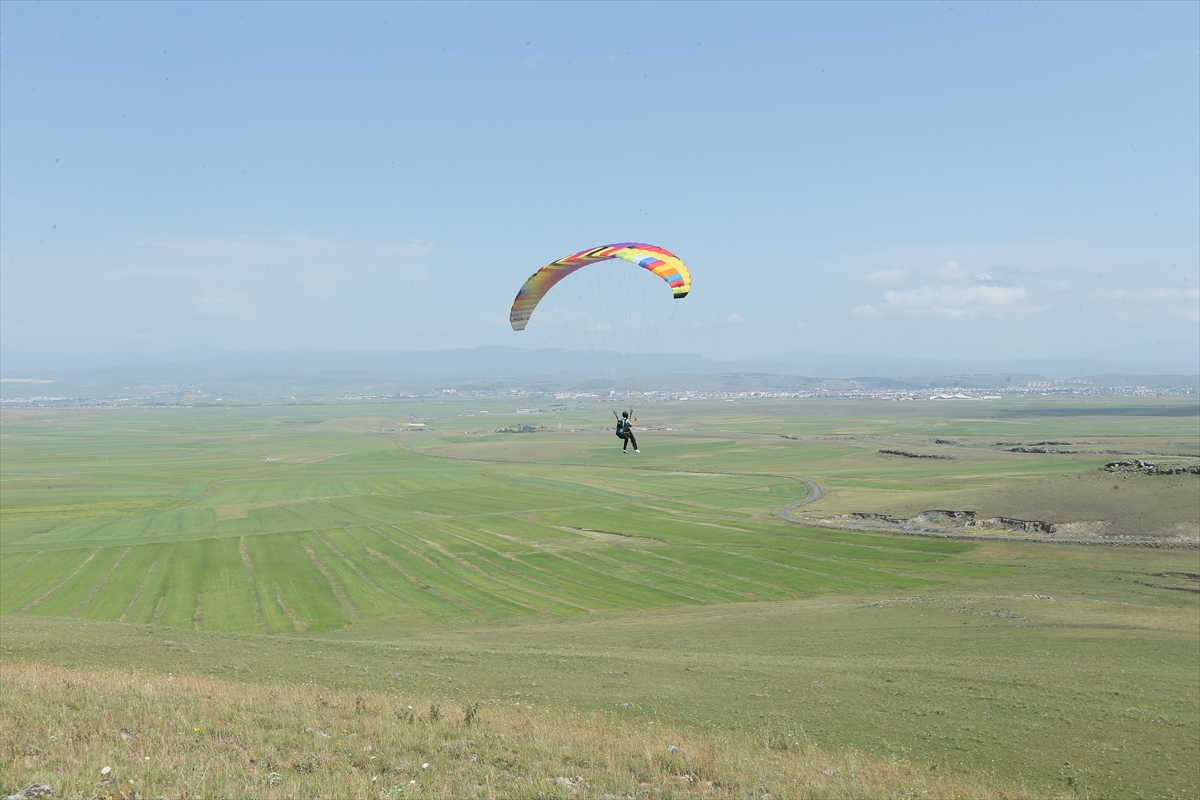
658 260
607 319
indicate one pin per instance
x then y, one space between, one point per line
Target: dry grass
185 737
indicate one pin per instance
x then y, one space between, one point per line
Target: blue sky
945 180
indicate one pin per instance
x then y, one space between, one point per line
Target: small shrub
435 713
470 713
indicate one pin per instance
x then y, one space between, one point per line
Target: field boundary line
454 559
198 613
22 565
101 584
474 570
497 556
751 555
297 624
34 604
479 570
408 576
598 553
792 594
158 608
681 573
333 549
249 564
339 591
137 595
591 582
591 570
566 556
577 587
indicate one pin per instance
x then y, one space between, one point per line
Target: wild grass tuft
177 736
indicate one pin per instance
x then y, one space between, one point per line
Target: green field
548 567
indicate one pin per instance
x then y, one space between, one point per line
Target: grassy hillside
91 733
457 563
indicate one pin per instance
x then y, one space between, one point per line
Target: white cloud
801 324
884 277
735 319
1155 302
1019 258
954 302
950 271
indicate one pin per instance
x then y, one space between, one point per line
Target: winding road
814 494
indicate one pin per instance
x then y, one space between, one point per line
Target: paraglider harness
624 431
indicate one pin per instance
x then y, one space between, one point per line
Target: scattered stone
572 784
671 748
827 771
1141 467
36 790
318 732
907 454
129 733
938 520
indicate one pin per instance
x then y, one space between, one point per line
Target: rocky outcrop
1140 467
907 454
940 518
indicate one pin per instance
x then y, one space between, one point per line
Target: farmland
413 547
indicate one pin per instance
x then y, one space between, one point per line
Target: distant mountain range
492 363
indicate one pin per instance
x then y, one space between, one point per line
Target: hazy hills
328 372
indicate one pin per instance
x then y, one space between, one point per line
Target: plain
429 548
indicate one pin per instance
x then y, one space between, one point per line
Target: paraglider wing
661 262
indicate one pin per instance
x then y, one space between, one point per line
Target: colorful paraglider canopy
661 262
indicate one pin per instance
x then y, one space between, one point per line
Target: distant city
189 396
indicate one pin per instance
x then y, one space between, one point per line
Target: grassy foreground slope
547 568
206 737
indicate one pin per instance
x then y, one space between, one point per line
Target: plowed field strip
137 595
101 584
78 569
